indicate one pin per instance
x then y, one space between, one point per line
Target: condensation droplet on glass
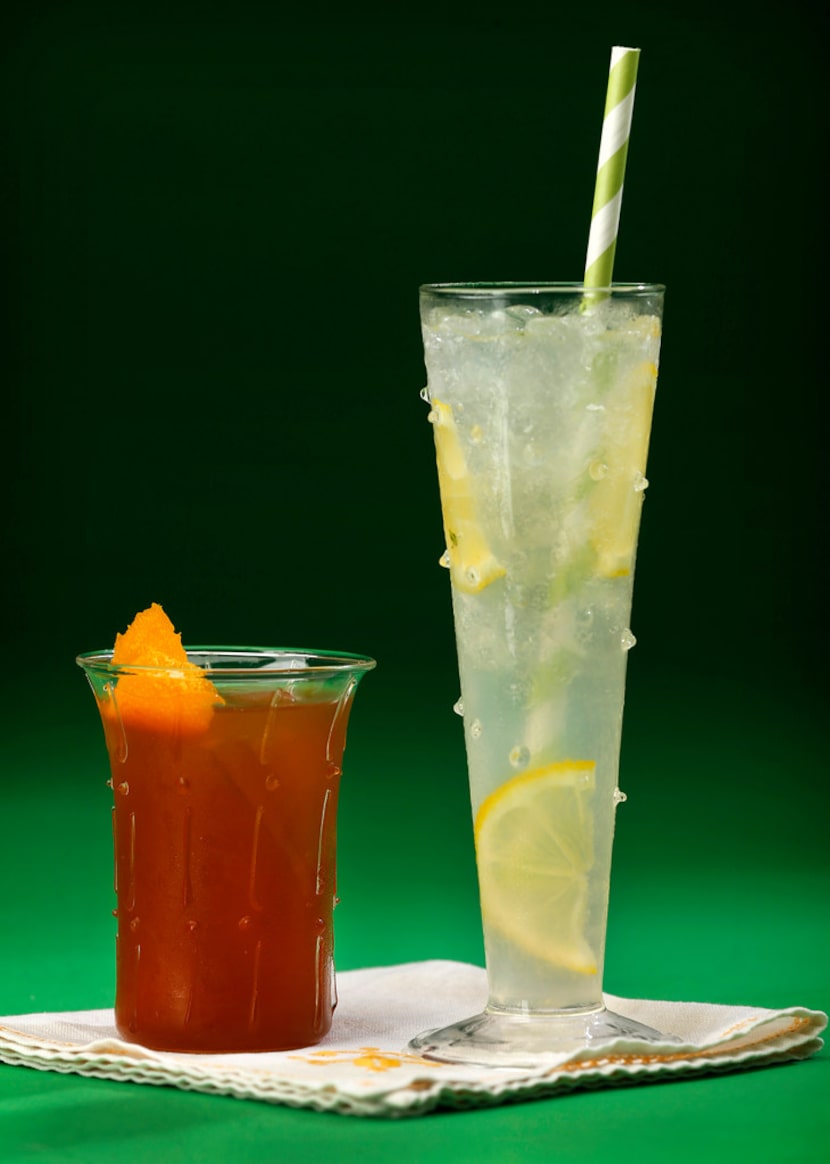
597 470
458 706
244 922
109 782
124 788
432 416
476 434
473 577
134 924
476 729
444 560
627 640
424 393
595 407
272 782
640 483
585 617
183 783
519 756
191 926
619 796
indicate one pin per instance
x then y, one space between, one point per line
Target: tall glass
541 401
224 826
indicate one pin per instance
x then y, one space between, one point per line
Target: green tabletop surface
719 894
214 221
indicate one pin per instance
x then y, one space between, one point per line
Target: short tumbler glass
224 832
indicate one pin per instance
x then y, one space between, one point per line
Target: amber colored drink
225 867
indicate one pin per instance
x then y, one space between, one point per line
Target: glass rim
483 290
298 661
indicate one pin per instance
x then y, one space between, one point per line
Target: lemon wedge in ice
472 563
534 847
616 498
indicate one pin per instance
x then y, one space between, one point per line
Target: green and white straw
613 152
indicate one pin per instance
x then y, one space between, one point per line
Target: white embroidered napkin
362 1067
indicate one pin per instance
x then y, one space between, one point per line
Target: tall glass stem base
500 1039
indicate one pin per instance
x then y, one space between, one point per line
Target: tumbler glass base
500 1039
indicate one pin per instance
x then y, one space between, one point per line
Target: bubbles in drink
627 640
468 323
519 757
584 626
597 470
520 313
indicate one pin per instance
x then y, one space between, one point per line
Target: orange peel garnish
167 693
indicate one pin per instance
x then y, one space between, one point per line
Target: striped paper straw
613 151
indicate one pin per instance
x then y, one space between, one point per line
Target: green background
215 220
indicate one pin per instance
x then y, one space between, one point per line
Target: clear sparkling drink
541 403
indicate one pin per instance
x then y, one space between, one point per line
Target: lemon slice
534 847
616 498
472 563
